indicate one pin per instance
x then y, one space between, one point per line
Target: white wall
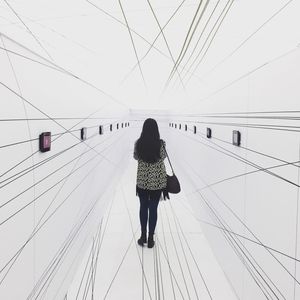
260 207
51 202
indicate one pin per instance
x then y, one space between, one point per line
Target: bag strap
168 159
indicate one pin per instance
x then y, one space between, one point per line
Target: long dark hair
149 143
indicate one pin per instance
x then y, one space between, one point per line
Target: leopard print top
152 176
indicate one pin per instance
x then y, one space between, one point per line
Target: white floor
180 266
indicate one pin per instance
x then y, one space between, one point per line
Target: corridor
219 81
181 266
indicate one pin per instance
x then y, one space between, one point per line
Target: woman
149 151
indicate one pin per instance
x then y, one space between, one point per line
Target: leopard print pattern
152 176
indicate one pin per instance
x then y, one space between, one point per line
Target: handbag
173 185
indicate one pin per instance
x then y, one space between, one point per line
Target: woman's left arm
163 153
135 156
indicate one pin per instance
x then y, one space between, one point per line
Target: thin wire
242 260
154 274
240 255
84 272
132 230
237 234
27 170
153 43
245 225
44 192
94 206
28 126
36 230
288 128
29 30
172 273
161 273
247 148
243 160
123 258
124 24
192 35
166 42
192 255
103 235
73 262
63 252
176 251
132 42
59 69
25 159
297 227
167 254
248 38
201 34
212 39
224 224
185 41
247 74
39 110
38 182
185 257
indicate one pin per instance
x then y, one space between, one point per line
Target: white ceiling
84 39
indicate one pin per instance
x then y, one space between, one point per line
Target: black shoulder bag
173 185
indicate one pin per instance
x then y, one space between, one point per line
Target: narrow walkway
180 266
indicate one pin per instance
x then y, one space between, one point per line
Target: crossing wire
177 255
133 233
154 41
166 42
172 273
27 170
59 256
30 187
223 223
237 234
201 34
29 30
249 37
242 253
185 41
241 159
102 238
245 148
21 249
236 252
28 157
58 68
69 269
212 39
183 251
39 110
247 227
93 208
190 250
62 253
132 42
37 229
167 254
194 31
124 24
160 272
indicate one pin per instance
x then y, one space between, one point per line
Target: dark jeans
148 201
